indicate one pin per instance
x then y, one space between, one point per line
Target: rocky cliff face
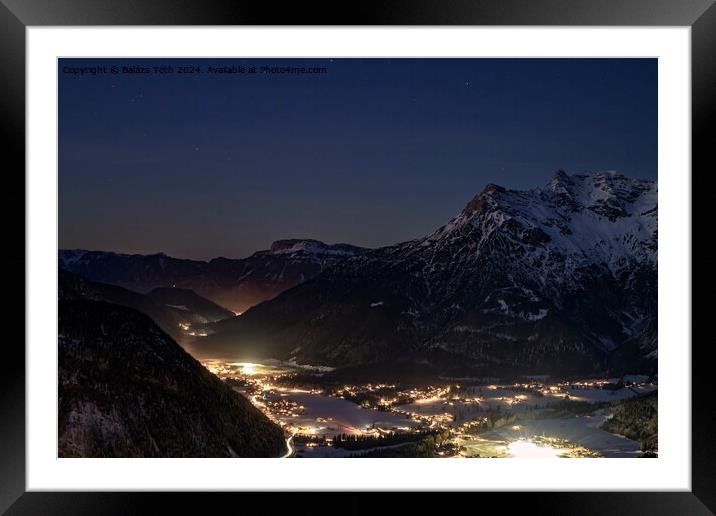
126 389
556 279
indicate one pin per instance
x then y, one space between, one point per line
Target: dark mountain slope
126 389
169 309
74 287
197 308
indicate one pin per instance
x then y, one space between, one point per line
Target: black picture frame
17 15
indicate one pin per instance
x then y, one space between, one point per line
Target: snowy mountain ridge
563 276
601 218
315 247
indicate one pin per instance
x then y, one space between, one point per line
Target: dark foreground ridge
126 389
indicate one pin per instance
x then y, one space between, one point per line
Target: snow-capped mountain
560 278
236 284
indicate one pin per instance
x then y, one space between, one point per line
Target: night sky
371 153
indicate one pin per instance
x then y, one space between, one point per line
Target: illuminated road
289 446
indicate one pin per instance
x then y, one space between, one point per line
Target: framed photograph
422 247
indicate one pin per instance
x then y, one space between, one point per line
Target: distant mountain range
236 284
558 279
126 389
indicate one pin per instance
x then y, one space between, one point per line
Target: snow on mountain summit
599 218
311 246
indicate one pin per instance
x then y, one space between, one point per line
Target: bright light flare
524 449
248 369
424 401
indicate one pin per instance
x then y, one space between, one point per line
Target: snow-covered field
581 430
318 414
321 452
342 416
517 401
599 395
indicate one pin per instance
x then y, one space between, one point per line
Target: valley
529 418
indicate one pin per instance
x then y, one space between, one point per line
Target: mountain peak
296 244
560 180
491 188
484 200
560 175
